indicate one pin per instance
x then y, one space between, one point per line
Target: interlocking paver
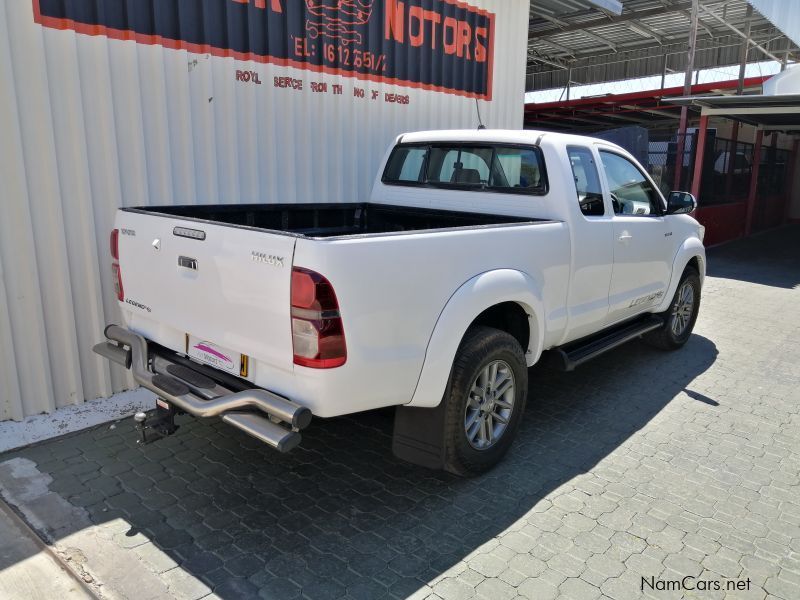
578 589
537 589
641 464
183 586
495 589
454 589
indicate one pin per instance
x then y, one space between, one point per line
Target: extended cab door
642 240
592 231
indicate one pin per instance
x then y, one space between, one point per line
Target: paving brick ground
642 464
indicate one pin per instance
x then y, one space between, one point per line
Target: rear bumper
202 392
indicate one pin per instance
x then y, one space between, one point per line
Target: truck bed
331 220
393 269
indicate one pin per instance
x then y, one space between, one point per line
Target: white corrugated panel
89 123
784 14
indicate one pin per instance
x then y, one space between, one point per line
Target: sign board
440 45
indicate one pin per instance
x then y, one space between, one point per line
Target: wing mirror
680 203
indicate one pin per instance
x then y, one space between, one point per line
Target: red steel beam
731 161
751 197
700 88
700 149
790 180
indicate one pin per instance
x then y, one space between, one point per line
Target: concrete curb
87 550
70 419
30 568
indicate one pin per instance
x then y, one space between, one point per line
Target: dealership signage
440 45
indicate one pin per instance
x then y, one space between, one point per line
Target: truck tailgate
226 288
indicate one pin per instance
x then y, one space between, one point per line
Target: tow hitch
183 386
162 423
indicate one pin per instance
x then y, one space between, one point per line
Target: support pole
700 148
687 90
569 81
751 197
744 49
731 161
789 185
664 71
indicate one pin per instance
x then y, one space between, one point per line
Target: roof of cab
503 136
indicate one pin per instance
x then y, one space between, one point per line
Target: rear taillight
317 331
115 244
115 268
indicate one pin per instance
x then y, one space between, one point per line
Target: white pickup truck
478 252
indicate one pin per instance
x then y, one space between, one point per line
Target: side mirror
680 203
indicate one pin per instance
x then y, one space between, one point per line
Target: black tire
481 347
665 337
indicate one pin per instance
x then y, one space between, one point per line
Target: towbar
178 387
115 353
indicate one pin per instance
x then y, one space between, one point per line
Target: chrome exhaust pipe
295 415
264 430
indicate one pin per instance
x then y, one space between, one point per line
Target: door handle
187 263
625 237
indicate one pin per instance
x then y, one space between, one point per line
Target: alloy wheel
490 404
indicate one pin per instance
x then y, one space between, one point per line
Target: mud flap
419 435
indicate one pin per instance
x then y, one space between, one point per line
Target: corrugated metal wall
88 124
784 14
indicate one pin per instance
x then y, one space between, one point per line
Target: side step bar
576 353
260 413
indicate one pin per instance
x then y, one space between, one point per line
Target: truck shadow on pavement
340 515
771 258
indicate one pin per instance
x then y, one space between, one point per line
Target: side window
631 192
516 168
587 181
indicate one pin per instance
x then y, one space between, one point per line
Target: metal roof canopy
647 108
767 112
583 41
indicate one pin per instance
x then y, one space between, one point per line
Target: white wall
88 124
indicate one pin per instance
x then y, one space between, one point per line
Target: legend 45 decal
439 45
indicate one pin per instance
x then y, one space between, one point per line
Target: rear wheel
681 316
484 401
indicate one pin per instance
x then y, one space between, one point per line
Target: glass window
516 168
507 169
464 166
631 192
406 164
587 181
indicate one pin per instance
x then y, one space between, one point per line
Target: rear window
497 168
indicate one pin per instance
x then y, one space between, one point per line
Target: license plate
215 355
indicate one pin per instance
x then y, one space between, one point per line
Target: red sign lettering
288 82
275 5
458 37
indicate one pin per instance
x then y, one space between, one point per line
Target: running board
574 354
